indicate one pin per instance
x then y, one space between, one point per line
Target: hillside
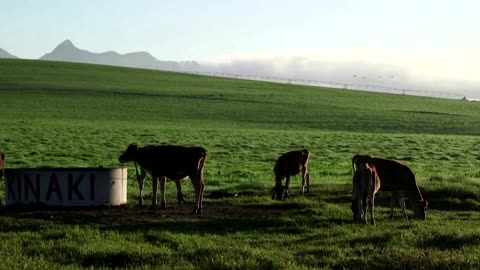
200 100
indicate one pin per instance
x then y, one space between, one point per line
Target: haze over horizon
427 45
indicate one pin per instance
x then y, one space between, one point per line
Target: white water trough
66 186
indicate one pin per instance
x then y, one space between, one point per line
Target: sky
427 44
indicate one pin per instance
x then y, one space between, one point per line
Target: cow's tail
2 164
353 164
360 159
306 152
305 156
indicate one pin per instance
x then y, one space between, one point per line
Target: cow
290 164
164 161
399 180
395 195
366 184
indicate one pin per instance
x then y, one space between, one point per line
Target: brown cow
2 169
169 161
399 180
366 184
289 164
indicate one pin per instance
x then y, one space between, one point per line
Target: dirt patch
141 215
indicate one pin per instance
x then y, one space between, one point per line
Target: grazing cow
395 195
399 180
366 184
169 161
2 169
289 164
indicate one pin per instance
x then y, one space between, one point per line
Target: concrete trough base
66 187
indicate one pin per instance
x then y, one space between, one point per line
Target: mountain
5 54
67 52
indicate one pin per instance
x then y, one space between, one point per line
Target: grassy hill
123 95
66 114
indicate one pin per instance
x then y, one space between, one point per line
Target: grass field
77 115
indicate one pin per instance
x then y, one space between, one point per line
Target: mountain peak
66 44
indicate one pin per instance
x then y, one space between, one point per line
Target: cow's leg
401 201
279 188
364 208
307 176
371 202
154 190
141 185
200 199
199 187
304 180
180 198
359 209
140 180
356 208
400 196
163 180
287 185
393 200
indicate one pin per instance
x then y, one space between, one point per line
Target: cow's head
420 209
357 210
130 154
356 205
2 163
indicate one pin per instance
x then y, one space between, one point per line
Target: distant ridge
5 54
67 52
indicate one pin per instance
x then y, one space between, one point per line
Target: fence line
350 86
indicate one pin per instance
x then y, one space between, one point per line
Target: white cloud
430 71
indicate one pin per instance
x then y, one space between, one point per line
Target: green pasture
79 115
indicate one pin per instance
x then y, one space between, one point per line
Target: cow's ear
133 147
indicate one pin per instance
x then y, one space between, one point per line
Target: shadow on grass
218 218
123 259
453 199
378 240
446 242
232 215
446 199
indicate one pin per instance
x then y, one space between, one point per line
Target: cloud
417 71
